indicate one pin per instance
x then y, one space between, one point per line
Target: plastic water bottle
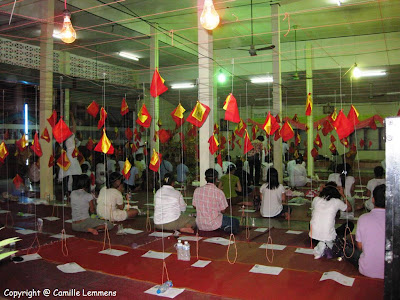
186 251
165 286
179 250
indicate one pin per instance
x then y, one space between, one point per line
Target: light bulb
209 18
68 34
221 77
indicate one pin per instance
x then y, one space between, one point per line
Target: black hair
227 158
379 196
344 169
379 171
83 183
272 179
112 178
299 160
239 164
331 183
329 192
84 168
230 168
168 179
260 138
211 175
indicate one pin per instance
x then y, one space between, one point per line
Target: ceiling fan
253 51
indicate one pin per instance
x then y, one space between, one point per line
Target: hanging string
7 181
246 175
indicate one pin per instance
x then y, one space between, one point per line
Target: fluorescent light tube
128 55
182 86
262 79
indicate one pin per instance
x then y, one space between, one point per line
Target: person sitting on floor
226 163
165 167
110 203
322 225
81 203
369 256
210 204
182 171
374 182
298 174
245 180
168 205
131 183
272 195
230 184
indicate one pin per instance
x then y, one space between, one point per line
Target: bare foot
187 230
93 231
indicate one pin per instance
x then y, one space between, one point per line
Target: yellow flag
3 151
179 111
127 167
268 126
154 158
198 112
142 117
105 143
334 115
227 102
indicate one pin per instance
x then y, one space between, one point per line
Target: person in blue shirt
165 167
182 172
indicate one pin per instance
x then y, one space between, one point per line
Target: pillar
154 102
310 119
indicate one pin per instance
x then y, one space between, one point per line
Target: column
310 119
276 86
205 91
154 106
46 94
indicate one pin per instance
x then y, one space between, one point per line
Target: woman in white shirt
298 174
168 205
272 195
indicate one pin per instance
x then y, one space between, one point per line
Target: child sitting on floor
81 203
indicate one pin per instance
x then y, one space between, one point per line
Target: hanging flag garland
309 105
51 161
155 161
124 107
90 144
3 152
126 171
52 119
231 109
104 145
213 144
362 143
240 128
63 161
157 86
128 134
247 146
177 115
332 147
287 132
36 146
199 114
318 141
45 135
103 117
93 109
61 131
144 118
270 124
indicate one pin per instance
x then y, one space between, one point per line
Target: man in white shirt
378 180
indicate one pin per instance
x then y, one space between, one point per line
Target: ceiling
366 32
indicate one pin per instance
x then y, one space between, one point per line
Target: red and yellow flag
254 131
126 171
104 145
93 109
345 142
129 134
287 132
75 153
333 139
199 114
314 152
353 116
277 135
333 116
63 161
144 118
213 144
270 124
3 151
155 161
297 140
17 180
164 136
21 143
61 131
231 109
318 141
332 147
36 146
309 105
52 119
247 146
45 135
157 86
124 107
327 127
177 115
103 117
137 135
90 144
240 128
51 161
343 126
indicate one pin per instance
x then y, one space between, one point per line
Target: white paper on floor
4 211
51 218
160 234
294 232
29 257
132 231
261 229
266 270
25 231
71 268
218 240
68 221
113 252
59 236
170 293
305 251
189 238
156 255
247 210
273 246
336 276
201 263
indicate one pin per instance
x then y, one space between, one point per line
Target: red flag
333 116
52 119
63 161
45 135
129 133
333 139
126 171
353 147
157 86
81 158
90 144
137 135
92 179
372 124
164 135
219 159
254 131
353 116
222 142
240 128
104 145
75 153
36 146
318 141
93 109
192 131
199 114
270 124
277 135
177 115
239 143
369 144
314 152
61 131
309 105
17 180
124 107
155 161
398 113
345 142
3 151
332 147
213 144
287 132
297 139
103 117
247 146
327 128
51 161
278 120
231 109
134 148
144 118
295 118
362 143
216 129
343 126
